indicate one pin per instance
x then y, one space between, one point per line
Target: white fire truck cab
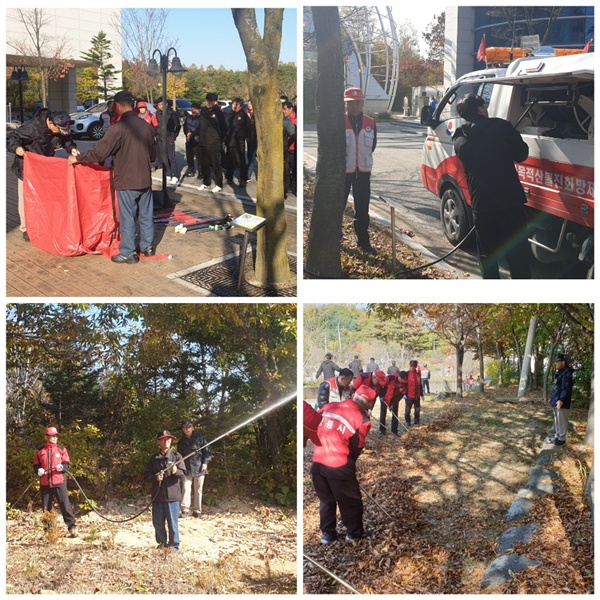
550 101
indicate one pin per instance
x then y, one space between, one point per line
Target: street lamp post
19 75
153 70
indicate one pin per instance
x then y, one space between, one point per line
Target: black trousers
409 403
383 412
210 157
192 151
236 159
344 493
425 386
360 183
60 493
168 159
290 181
503 233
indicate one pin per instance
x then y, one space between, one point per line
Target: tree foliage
99 55
117 373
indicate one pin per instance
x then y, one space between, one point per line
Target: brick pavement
31 272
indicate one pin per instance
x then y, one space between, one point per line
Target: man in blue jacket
560 398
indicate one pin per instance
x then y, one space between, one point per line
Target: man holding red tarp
130 142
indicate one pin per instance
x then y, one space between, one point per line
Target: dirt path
447 484
244 547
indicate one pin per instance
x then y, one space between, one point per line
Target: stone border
540 482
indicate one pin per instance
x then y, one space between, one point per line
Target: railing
9 113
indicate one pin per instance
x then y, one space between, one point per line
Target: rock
518 509
503 568
515 535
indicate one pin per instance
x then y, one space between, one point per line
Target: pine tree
100 55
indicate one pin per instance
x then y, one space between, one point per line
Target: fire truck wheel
455 216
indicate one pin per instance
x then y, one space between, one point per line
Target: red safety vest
359 148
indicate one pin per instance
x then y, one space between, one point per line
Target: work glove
174 469
60 468
41 472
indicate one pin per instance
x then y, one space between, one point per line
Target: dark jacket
238 128
488 149
34 136
173 122
170 490
187 445
562 387
328 368
130 142
191 124
212 126
355 367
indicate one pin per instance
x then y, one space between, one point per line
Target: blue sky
208 37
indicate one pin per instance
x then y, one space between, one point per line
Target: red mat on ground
68 210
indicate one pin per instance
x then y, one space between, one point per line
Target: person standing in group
425 377
488 149
414 392
361 140
390 394
196 467
560 398
375 380
164 471
173 127
252 145
238 131
393 369
212 134
335 389
290 182
327 367
130 143
50 463
355 366
191 126
372 366
342 434
149 117
42 134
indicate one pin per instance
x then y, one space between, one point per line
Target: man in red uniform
376 380
342 433
361 139
390 396
335 389
50 463
414 393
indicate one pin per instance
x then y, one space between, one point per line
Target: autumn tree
435 36
99 55
44 52
262 57
323 258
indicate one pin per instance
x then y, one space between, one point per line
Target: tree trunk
323 254
500 364
460 355
262 57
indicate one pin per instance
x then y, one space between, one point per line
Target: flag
586 48
481 51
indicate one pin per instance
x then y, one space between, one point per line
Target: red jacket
397 386
364 379
48 457
415 386
342 432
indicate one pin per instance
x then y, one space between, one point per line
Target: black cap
158 100
186 422
124 96
560 357
212 97
196 105
61 119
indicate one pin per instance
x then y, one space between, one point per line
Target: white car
90 122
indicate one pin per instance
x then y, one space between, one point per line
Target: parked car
184 107
89 122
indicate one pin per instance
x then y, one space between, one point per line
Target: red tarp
68 210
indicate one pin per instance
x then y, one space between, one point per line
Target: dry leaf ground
244 547
448 485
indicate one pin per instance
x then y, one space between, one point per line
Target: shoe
367 534
327 538
248 180
129 260
368 249
203 187
407 424
560 442
26 236
149 251
216 189
189 173
185 513
174 180
197 515
241 183
73 531
174 548
382 433
161 546
229 181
